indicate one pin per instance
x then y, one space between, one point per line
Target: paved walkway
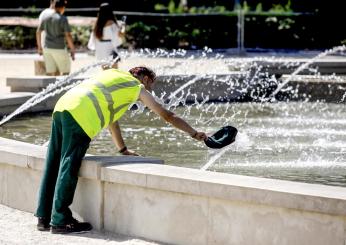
33 22
18 227
22 65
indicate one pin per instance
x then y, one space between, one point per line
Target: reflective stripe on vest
97 102
107 93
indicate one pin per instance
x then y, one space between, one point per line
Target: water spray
61 84
304 66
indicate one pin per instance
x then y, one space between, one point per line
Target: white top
44 15
104 49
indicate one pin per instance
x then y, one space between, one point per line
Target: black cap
223 137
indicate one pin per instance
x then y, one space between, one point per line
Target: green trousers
67 147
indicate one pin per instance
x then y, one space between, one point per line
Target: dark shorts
116 56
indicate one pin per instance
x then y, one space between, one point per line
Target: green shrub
80 35
17 37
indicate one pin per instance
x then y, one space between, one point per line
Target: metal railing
240 14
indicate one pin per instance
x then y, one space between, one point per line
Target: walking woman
107 35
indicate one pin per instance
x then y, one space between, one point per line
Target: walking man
57 29
79 115
44 15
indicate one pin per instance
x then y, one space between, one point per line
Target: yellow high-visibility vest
101 100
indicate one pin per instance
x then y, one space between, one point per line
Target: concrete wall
138 197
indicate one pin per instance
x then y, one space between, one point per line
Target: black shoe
73 227
43 224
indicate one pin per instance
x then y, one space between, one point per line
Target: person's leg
74 146
115 65
50 174
63 61
51 67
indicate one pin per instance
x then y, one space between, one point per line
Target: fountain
291 134
282 140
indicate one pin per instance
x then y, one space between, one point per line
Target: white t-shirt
44 15
109 43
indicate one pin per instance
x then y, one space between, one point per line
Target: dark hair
105 13
60 3
141 71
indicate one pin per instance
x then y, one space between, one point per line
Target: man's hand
70 44
200 136
38 41
72 54
128 152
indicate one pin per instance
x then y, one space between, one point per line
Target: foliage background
268 24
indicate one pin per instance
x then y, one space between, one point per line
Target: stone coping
295 195
30 81
279 67
39 82
313 79
14 98
147 173
32 156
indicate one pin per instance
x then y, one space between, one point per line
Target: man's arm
169 116
70 44
118 140
67 31
38 41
